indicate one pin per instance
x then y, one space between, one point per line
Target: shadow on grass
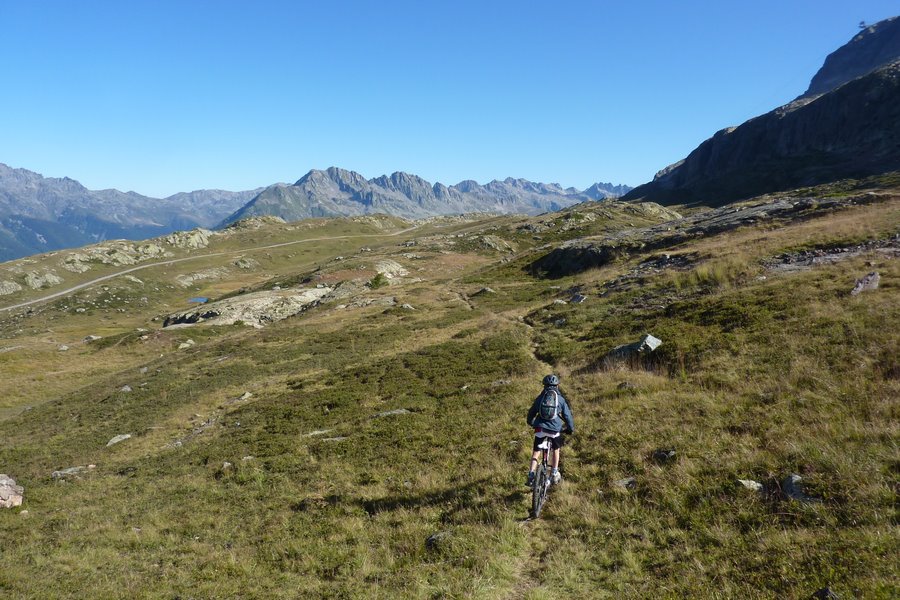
480 495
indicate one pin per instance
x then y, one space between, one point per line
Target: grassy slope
757 378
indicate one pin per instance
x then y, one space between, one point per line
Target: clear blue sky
167 96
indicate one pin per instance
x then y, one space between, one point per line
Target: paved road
199 256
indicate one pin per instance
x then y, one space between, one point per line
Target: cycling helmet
551 380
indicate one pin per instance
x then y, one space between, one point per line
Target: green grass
756 379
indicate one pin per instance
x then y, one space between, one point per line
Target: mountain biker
550 416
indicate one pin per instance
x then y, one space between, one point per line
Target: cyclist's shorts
555 443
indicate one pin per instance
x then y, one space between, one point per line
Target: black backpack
549 405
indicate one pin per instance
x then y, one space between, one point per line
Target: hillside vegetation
374 445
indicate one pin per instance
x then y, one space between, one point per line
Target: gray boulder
119 438
631 353
867 283
11 495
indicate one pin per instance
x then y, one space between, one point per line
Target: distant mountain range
340 192
40 214
847 124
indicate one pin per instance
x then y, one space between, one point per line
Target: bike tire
539 492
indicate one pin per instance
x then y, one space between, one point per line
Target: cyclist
550 416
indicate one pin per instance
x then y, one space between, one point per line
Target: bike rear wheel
539 492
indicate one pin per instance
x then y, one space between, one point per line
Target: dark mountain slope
850 131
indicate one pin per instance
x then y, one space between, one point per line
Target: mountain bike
542 480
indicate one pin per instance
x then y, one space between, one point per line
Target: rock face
847 131
11 495
874 46
255 309
337 192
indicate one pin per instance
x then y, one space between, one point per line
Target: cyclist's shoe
530 482
555 478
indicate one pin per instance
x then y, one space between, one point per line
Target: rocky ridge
831 133
338 192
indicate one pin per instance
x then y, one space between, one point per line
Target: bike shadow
476 496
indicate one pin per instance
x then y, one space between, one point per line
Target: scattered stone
72 472
825 593
125 388
396 411
80 309
144 370
407 307
867 283
483 291
436 540
134 279
334 439
92 338
629 483
390 269
119 438
631 352
663 456
23 513
626 385
11 495
245 263
62 348
186 344
558 301
246 396
560 322
318 432
751 485
226 465
248 457
578 299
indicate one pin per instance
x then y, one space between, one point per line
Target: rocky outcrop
189 279
117 253
189 240
585 253
9 287
847 132
255 309
338 192
390 269
37 281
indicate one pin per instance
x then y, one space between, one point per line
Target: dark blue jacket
556 424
